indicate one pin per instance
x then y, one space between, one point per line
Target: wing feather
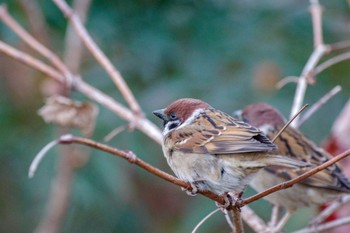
215 132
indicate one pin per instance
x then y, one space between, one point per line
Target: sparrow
323 186
213 151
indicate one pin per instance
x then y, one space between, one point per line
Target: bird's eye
172 116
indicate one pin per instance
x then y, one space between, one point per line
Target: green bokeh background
212 50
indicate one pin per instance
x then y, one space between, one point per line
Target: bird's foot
231 199
191 192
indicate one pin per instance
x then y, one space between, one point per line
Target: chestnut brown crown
179 111
260 114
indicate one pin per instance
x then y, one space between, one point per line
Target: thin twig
275 213
339 45
325 226
30 61
331 209
99 55
330 62
204 219
289 122
291 182
38 26
316 106
114 133
253 220
36 161
286 80
229 216
316 16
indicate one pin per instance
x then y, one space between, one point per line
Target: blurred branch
319 51
325 226
331 209
143 124
99 56
316 106
59 200
286 80
31 41
36 20
253 220
31 61
339 45
331 62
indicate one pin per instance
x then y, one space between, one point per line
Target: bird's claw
231 199
191 192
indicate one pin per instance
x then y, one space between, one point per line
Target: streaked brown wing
293 144
215 132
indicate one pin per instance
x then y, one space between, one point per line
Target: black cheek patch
173 125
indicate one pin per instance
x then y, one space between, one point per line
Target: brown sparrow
212 150
315 190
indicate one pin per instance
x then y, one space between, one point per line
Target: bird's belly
209 172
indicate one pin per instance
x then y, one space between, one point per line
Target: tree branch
325 226
99 56
319 51
291 182
143 124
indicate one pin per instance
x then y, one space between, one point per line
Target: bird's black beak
160 113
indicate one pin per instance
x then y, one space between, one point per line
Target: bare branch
69 157
331 209
319 51
325 226
99 55
143 124
331 62
316 106
31 61
289 122
253 220
237 220
204 219
31 41
37 159
339 45
302 82
132 158
316 16
286 80
291 182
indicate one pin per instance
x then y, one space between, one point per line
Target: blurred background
228 53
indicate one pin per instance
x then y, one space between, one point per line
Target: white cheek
194 115
167 129
266 128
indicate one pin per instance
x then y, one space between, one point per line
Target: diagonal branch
132 158
291 182
143 124
99 55
31 41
